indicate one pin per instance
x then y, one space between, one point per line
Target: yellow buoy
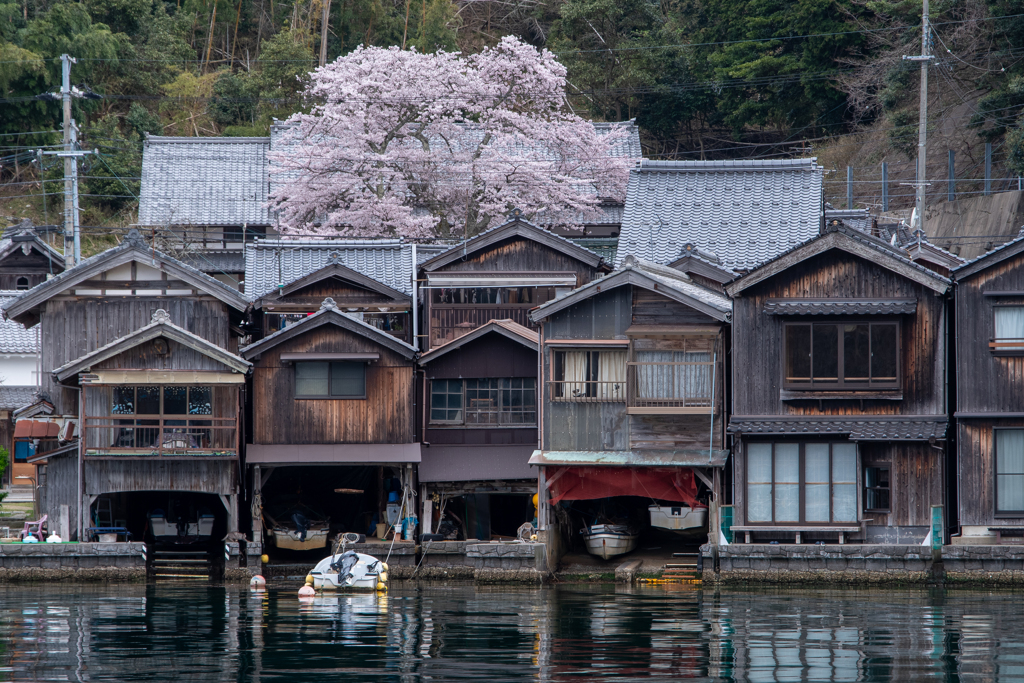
535 500
384 566
383 577
265 559
309 579
380 586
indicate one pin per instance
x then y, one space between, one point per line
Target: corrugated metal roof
14 338
269 263
744 212
644 458
204 181
859 428
840 306
448 463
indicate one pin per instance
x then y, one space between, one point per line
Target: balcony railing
451 321
177 436
670 387
583 391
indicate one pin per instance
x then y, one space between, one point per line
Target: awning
337 454
590 483
191 377
491 279
66 449
860 428
840 306
639 458
475 463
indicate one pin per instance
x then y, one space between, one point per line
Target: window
21 284
1009 470
330 380
586 376
275 322
1009 323
484 401
876 487
801 483
842 355
151 404
672 373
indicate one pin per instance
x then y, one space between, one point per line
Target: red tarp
588 483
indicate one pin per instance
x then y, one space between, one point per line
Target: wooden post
257 492
427 516
64 522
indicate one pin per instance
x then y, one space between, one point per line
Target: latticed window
801 483
842 355
673 375
586 376
484 401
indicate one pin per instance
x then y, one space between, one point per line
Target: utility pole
921 182
70 163
325 23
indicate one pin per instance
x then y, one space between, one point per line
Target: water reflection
466 633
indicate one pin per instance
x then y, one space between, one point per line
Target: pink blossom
401 143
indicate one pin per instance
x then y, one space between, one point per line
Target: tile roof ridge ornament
515 215
328 305
135 240
161 317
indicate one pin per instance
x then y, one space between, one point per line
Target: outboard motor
344 563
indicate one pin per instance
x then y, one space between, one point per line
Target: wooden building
839 393
135 344
633 375
479 417
333 415
26 259
373 302
500 274
989 401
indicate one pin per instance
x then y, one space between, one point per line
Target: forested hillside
703 78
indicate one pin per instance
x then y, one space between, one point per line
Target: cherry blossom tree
401 143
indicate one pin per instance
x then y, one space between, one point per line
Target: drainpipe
415 303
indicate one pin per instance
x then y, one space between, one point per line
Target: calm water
462 633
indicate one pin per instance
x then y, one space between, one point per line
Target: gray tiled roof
204 181
840 306
14 397
744 212
14 338
860 428
855 218
269 263
217 261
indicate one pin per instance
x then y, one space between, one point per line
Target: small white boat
290 539
181 530
609 540
349 571
678 518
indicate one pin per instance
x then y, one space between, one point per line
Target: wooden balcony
671 388
161 436
451 321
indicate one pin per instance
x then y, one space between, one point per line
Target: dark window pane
124 401
798 353
855 353
200 401
311 379
348 379
147 400
826 353
884 350
175 400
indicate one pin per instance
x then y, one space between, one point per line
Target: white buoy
257 583
306 592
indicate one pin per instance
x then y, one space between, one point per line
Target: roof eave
1008 250
324 317
479 332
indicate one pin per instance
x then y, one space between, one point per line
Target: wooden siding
384 416
605 315
651 308
519 254
61 489
33 266
668 432
976 478
489 356
72 328
113 476
986 382
758 339
344 293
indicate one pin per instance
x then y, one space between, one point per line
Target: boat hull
166 531
607 543
678 518
364 575
288 539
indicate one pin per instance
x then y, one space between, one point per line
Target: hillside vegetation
703 78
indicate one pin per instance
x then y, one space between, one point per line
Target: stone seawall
864 564
72 562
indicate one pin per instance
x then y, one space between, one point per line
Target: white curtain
678 382
787 482
844 482
759 482
654 381
1009 322
816 483
575 374
1010 469
611 375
